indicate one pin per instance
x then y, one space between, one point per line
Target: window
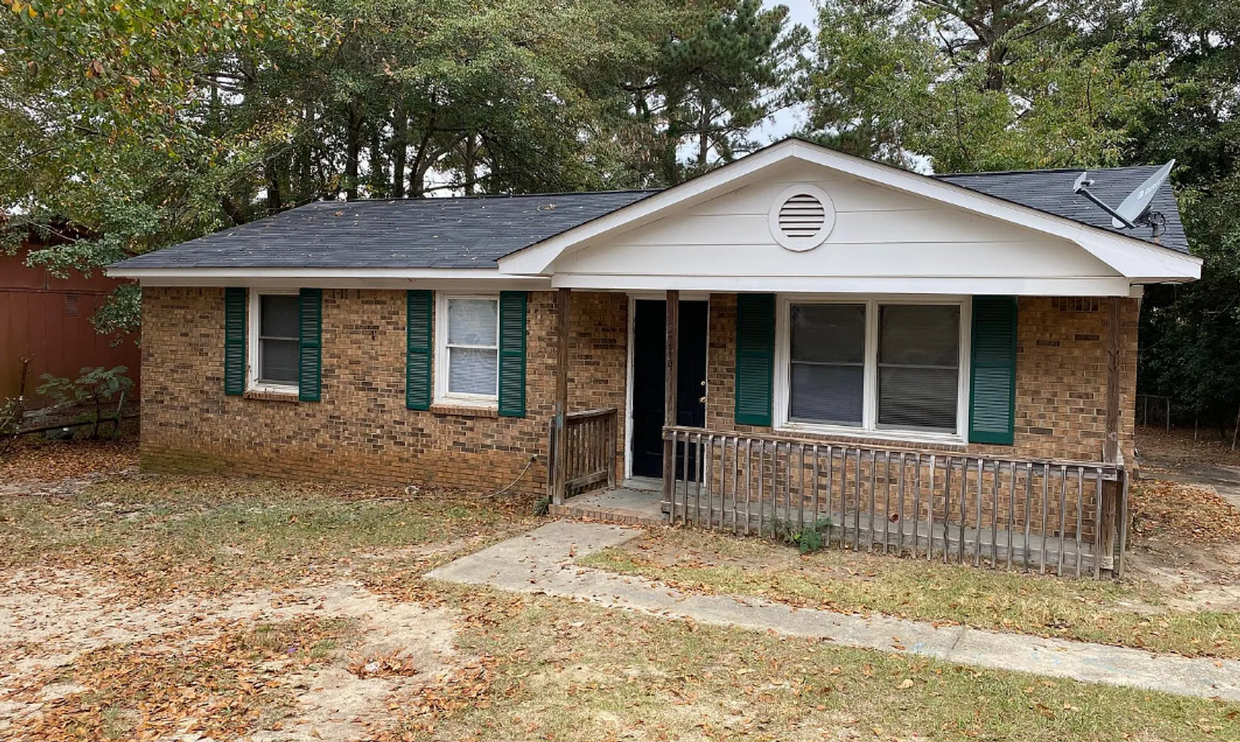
828 363
468 352
883 367
274 351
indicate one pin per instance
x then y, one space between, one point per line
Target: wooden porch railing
1049 516
589 451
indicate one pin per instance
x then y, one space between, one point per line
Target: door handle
701 400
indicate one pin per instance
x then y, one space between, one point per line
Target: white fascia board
343 278
1142 261
1129 256
912 285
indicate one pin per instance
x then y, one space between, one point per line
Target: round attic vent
802 217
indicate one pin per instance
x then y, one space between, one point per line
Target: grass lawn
513 667
1126 614
576 672
161 534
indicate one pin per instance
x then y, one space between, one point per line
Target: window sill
464 410
272 395
875 437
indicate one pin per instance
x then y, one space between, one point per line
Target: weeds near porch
808 539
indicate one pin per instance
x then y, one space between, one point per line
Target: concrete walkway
541 561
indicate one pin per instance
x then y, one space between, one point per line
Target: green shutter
310 346
419 333
512 311
755 357
234 341
992 393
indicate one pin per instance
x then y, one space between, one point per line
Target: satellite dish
1135 209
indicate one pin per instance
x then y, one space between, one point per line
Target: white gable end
881 240
886 231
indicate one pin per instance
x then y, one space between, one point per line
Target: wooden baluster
1046 493
886 500
801 488
977 522
994 516
761 484
749 478
900 520
1080 509
964 505
735 482
1063 516
1028 514
929 505
1098 539
1011 514
814 493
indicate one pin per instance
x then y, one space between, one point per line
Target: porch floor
636 502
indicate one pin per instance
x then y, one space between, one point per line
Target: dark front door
649 365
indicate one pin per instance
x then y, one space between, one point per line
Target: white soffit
1134 259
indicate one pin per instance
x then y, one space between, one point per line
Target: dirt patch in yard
319 663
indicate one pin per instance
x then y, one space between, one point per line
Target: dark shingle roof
1051 191
473 232
467 232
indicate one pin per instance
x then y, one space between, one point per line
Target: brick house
980 331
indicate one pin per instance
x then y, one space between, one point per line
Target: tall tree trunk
271 173
353 149
469 150
703 137
423 158
400 148
377 186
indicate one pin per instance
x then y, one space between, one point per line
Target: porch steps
630 506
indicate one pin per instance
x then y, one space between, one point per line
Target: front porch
967 504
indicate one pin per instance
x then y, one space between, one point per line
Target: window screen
473 346
277 338
827 374
918 367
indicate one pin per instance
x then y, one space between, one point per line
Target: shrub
92 388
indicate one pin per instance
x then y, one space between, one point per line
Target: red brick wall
361 431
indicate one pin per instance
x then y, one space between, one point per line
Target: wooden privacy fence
589 452
1065 517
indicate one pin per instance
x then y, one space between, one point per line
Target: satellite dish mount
1135 210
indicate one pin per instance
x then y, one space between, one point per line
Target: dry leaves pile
33 459
1183 511
172 685
467 687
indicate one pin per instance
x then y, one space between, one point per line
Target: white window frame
255 326
442 395
869 409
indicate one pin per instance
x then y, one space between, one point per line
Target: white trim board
952 286
464 279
